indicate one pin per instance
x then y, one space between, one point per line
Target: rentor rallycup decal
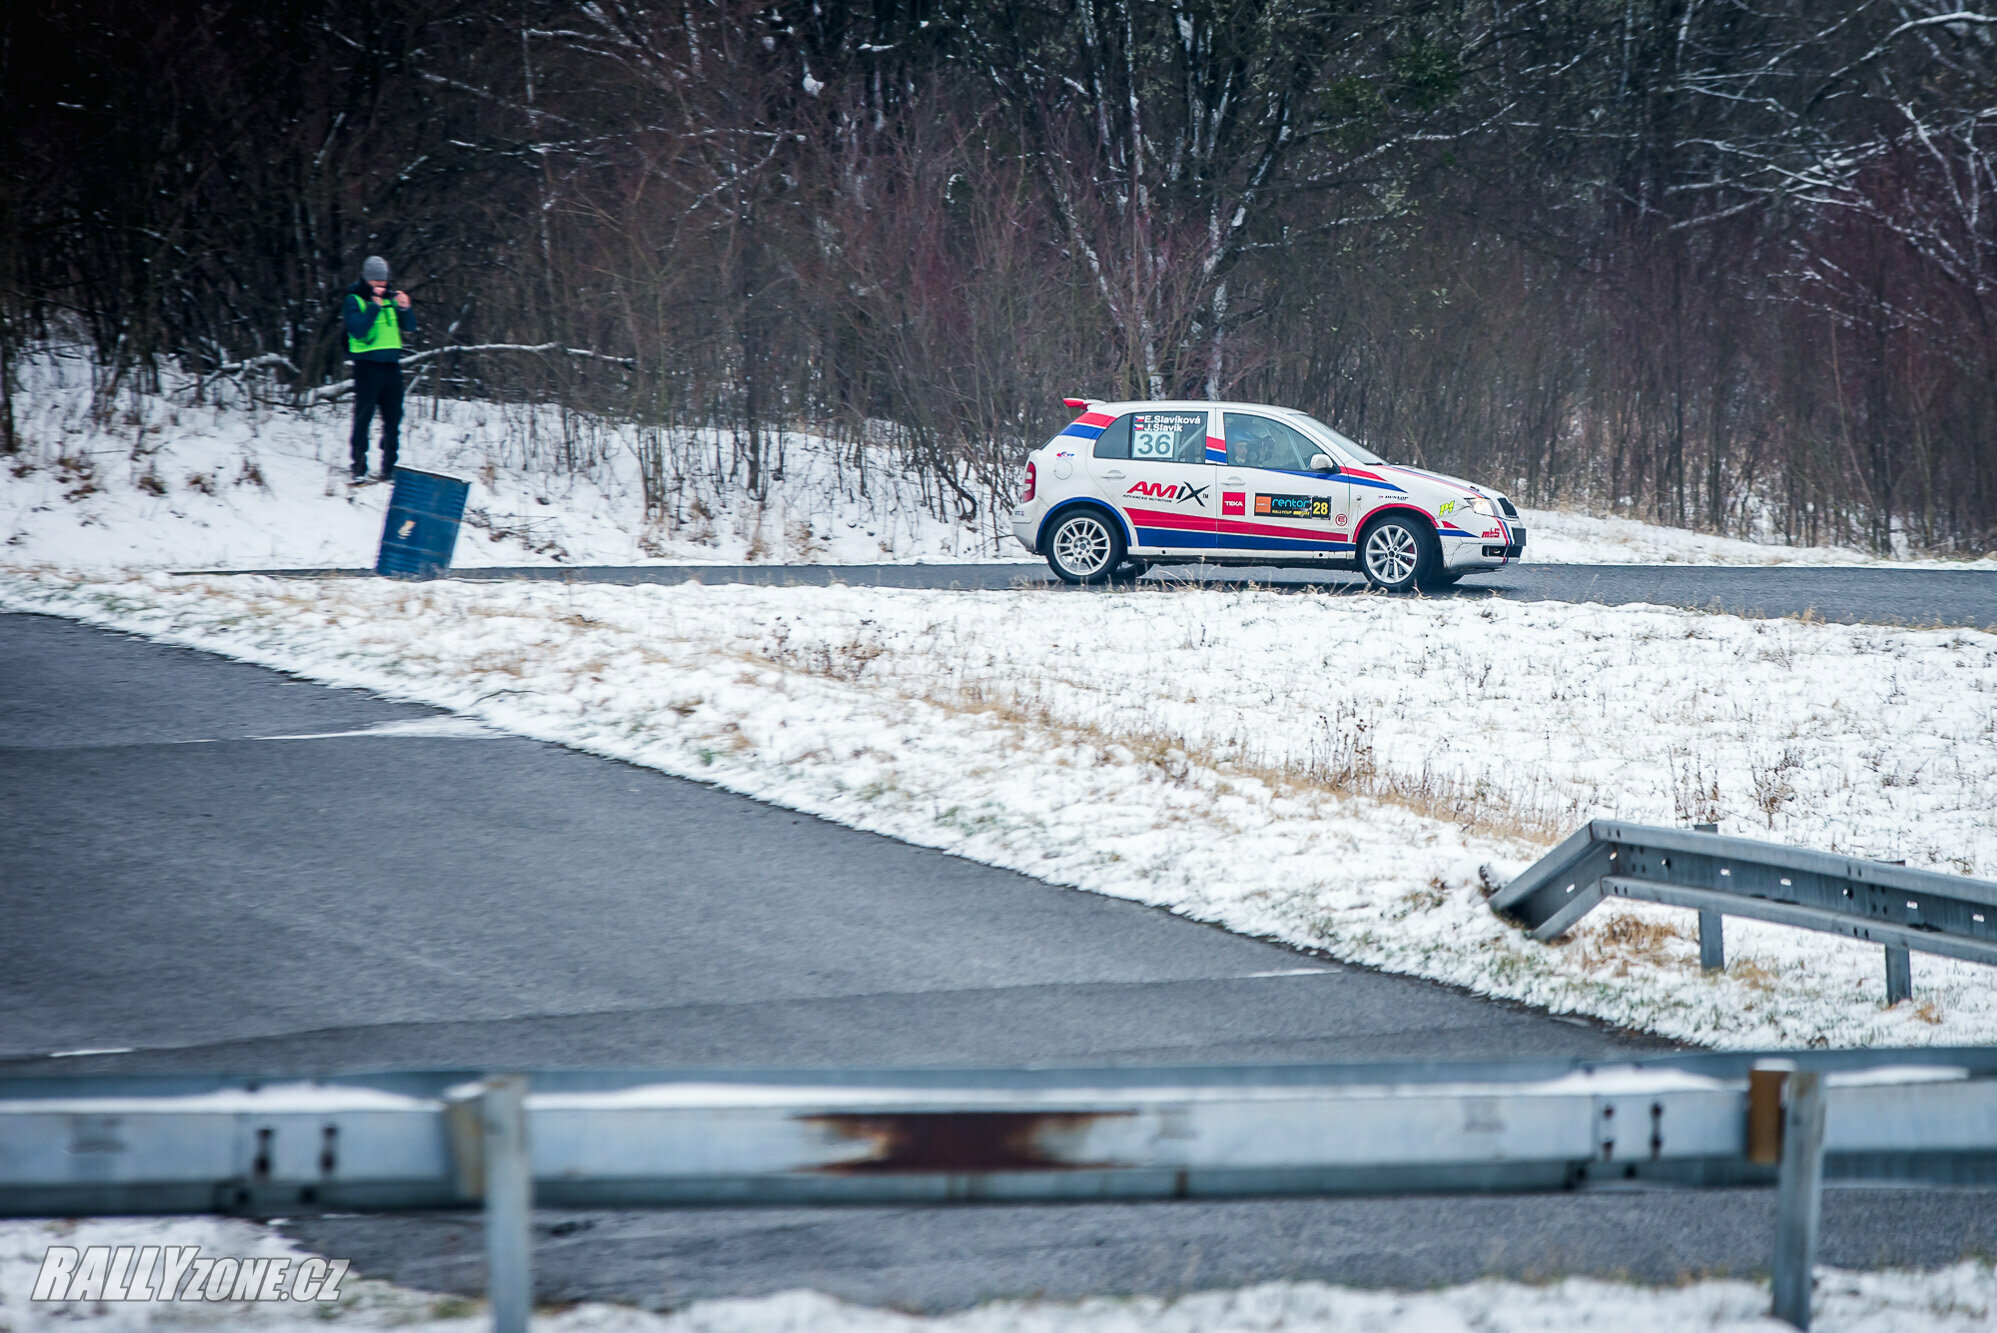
1293 506
1178 492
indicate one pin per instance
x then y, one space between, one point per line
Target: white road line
91 1050
422 728
1294 972
434 727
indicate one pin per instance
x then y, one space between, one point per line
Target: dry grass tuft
1752 973
1426 898
1627 940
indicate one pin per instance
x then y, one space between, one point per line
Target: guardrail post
1712 942
509 1188
1799 1192
1899 976
1712 928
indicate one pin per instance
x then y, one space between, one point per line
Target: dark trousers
377 384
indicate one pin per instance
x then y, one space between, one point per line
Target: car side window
1254 441
1168 437
1155 437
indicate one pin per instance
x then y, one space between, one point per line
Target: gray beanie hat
375 269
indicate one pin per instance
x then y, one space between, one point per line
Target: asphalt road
204 869
1921 597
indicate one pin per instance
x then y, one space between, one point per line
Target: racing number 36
1155 438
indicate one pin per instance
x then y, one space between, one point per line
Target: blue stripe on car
1176 537
1247 541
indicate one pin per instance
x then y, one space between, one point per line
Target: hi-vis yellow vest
384 334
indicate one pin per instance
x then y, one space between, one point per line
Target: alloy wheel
1083 546
1391 553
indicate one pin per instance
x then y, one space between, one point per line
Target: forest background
1727 264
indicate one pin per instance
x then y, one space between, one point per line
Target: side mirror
1323 463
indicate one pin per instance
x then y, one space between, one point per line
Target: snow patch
1564 537
162 482
1960 1297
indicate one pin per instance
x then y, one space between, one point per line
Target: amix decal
1178 492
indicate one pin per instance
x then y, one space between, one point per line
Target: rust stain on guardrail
963 1141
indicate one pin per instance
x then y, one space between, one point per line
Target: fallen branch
242 367
327 392
518 347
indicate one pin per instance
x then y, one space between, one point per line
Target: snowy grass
1352 775
1958 1297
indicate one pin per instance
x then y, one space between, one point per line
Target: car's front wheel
1399 554
1084 548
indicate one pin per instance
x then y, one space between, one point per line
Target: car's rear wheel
1084 547
1399 554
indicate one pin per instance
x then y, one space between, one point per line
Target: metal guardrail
1717 876
395 1142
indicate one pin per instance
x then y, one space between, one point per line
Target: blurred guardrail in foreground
1903 910
417 1141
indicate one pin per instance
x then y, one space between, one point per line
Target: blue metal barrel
421 530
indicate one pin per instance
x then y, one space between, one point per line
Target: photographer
377 325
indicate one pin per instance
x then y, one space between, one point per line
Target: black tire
1084 547
1399 553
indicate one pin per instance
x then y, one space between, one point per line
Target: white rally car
1131 485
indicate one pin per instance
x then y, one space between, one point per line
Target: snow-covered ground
1960 1297
169 483
1567 537
1350 774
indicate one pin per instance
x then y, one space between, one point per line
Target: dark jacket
358 309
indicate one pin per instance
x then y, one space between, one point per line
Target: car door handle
1113 476
1231 481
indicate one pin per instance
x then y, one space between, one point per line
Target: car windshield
1353 451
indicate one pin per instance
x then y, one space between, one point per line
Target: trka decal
1234 502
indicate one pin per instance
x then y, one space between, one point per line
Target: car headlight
1481 505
